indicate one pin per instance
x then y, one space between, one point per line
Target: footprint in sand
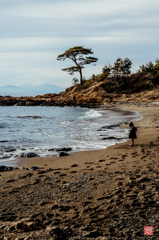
102 160
143 157
56 172
74 165
62 174
73 171
89 198
89 163
120 183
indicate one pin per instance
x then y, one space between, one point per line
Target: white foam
91 114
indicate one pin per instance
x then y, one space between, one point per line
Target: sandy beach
111 193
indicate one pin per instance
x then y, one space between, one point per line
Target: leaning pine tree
79 56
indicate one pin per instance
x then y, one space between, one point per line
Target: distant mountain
26 90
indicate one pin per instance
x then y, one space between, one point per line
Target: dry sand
104 194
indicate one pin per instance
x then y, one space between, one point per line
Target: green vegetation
151 68
76 54
115 78
116 75
75 81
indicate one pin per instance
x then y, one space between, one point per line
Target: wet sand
102 194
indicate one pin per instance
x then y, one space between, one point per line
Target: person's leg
132 142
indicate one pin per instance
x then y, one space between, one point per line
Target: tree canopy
122 67
151 68
79 55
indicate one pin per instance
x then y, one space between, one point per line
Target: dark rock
62 154
60 149
28 155
111 138
63 149
50 169
109 127
34 168
4 168
29 117
22 149
22 155
11 150
52 149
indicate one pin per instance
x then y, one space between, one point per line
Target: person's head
131 124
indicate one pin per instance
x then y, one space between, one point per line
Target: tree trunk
80 72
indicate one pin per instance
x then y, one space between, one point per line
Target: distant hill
26 90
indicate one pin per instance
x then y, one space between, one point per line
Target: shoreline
107 132
40 161
102 194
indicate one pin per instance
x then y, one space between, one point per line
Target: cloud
34 32
77 9
29 43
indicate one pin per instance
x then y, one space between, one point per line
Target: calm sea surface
39 129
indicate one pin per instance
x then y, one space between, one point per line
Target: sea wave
90 114
57 127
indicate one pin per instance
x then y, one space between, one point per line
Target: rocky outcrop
5 168
28 155
93 96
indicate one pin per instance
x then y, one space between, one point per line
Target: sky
34 32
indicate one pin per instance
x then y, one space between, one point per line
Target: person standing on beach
132 133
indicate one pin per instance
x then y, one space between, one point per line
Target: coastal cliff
114 84
93 96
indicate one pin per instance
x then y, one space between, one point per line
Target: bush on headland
118 78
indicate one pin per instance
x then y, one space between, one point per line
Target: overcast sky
34 32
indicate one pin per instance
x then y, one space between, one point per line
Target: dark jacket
132 133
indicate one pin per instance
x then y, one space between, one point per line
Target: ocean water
44 129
